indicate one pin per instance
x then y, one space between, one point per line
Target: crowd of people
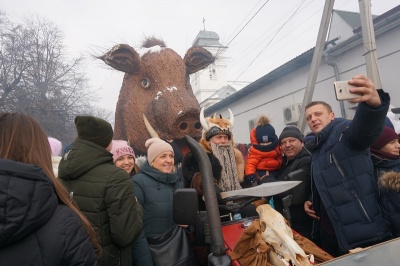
94 204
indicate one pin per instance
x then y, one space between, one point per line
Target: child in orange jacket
265 157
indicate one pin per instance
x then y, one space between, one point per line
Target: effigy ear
197 58
122 57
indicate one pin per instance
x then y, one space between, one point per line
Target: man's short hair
327 106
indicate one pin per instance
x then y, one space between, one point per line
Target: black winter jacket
300 221
388 174
34 228
154 191
342 175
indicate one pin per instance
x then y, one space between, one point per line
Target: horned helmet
216 125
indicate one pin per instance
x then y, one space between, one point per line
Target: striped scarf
229 176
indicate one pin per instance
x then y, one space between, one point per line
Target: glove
251 180
218 192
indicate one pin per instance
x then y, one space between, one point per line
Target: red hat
387 136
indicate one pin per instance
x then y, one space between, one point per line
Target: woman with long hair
124 157
39 224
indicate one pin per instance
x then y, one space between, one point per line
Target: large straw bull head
156 98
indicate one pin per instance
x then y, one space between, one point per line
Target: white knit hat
156 146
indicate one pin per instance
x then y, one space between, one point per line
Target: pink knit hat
155 146
121 148
55 146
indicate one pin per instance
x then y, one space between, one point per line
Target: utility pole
316 60
368 34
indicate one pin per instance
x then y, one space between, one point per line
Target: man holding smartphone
344 197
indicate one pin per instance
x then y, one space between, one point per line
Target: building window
252 124
212 71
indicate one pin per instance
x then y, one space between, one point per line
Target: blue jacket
388 174
343 177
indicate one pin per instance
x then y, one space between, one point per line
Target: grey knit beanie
293 132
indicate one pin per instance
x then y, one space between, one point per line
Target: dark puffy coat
34 228
300 221
388 173
342 174
192 176
154 191
105 194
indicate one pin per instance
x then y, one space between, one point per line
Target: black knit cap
94 129
265 134
293 132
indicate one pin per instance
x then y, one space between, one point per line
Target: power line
270 40
264 36
224 48
247 23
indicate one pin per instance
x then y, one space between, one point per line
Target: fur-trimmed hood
140 160
390 180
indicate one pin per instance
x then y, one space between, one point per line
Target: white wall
339 28
271 99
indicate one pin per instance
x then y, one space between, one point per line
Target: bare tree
38 78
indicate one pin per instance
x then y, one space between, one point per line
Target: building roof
224 92
287 68
207 38
351 18
272 76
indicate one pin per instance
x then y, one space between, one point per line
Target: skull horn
231 118
203 120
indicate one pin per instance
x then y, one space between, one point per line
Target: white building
279 94
210 85
208 81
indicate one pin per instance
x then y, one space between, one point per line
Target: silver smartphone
342 91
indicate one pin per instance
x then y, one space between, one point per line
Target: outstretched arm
366 87
368 122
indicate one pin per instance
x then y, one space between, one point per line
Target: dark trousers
330 244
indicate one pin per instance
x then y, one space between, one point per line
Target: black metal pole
218 256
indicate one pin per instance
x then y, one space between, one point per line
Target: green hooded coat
105 195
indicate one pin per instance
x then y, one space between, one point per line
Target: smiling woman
124 156
154 187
